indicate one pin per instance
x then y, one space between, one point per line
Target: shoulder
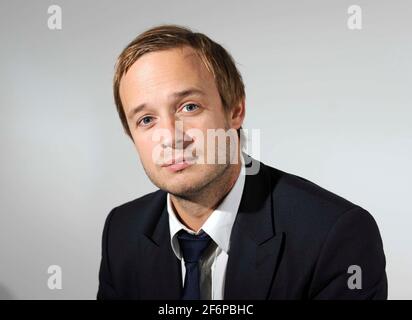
324 234
305 208
134 215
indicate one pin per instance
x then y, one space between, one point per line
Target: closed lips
179 160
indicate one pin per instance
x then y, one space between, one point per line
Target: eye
145 121
190 107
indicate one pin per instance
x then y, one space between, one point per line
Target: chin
183 185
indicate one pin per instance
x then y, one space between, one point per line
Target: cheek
210 120
218 117
144 147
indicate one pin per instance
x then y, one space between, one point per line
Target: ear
237 114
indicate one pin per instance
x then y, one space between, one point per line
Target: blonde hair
216 59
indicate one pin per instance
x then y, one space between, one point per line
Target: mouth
179 164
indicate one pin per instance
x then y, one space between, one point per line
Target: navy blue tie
192 247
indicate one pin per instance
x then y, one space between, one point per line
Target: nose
174 137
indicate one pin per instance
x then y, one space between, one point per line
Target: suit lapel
254 245
160 270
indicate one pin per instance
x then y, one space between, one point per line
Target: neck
194 212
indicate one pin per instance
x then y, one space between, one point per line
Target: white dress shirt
219 227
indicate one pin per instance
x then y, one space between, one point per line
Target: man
218 229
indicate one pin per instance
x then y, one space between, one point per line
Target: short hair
168 36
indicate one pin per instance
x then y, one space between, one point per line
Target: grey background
333 106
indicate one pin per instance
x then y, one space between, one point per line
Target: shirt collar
219 224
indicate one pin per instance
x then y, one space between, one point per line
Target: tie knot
192 245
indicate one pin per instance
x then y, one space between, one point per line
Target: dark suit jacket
291 239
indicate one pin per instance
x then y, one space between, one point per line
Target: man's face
154 80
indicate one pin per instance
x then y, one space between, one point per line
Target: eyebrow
174 96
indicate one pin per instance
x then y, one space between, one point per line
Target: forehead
177 65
